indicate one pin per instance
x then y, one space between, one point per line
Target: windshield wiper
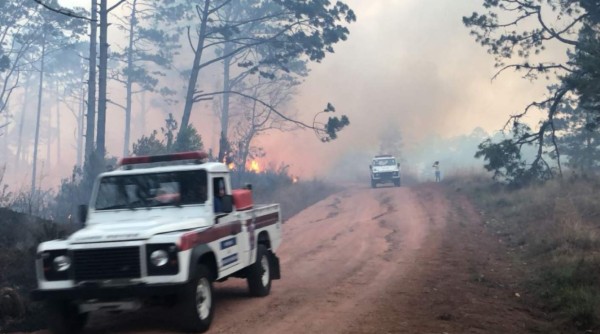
114 207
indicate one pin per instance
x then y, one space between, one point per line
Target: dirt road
386 260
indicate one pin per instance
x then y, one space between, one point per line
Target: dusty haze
409 63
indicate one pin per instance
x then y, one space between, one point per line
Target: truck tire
397 183
64 317
259 273
196 305
373 184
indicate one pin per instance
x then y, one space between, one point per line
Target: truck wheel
373 184
64 317
397 183
196 304
259 273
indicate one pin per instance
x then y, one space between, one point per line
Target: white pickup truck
384 168
162 233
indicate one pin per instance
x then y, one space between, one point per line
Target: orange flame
231 166
295 179
253 166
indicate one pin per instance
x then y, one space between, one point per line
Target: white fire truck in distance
159 233
385 169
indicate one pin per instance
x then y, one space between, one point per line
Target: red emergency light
193 155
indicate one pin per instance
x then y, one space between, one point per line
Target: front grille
106 263
385 175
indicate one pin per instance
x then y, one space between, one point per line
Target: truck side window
193 187
218 192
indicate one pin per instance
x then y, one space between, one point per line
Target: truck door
230 252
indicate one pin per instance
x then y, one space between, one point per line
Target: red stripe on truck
267 220
192 239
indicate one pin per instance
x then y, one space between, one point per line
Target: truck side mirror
398 165
227 203
82 211
370 167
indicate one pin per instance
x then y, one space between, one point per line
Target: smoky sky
407 63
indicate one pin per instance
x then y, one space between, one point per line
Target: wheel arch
204 255
264 239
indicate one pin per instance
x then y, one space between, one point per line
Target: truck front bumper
95 291
385 176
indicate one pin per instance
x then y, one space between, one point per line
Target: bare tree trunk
102 69
81 121
91 101
26 149
143 108
251 134
3 134
224 142
246 150
191 89
48 137
4 150
132 26
57 125
589 145
39 112
80 124
22 124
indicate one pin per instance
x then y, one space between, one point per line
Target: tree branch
551 30
116 104
115 6
190 40
268 106
64 11
215 9
540 68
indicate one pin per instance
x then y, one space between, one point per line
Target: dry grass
555 226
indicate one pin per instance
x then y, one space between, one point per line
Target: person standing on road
436 168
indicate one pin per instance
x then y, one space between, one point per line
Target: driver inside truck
219 192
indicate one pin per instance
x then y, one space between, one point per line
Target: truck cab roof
211 167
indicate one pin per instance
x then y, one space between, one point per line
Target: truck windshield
151 190
384 162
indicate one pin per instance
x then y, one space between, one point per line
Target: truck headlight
61 263
159 258
55 264
162 259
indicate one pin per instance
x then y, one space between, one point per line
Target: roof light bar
194 155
